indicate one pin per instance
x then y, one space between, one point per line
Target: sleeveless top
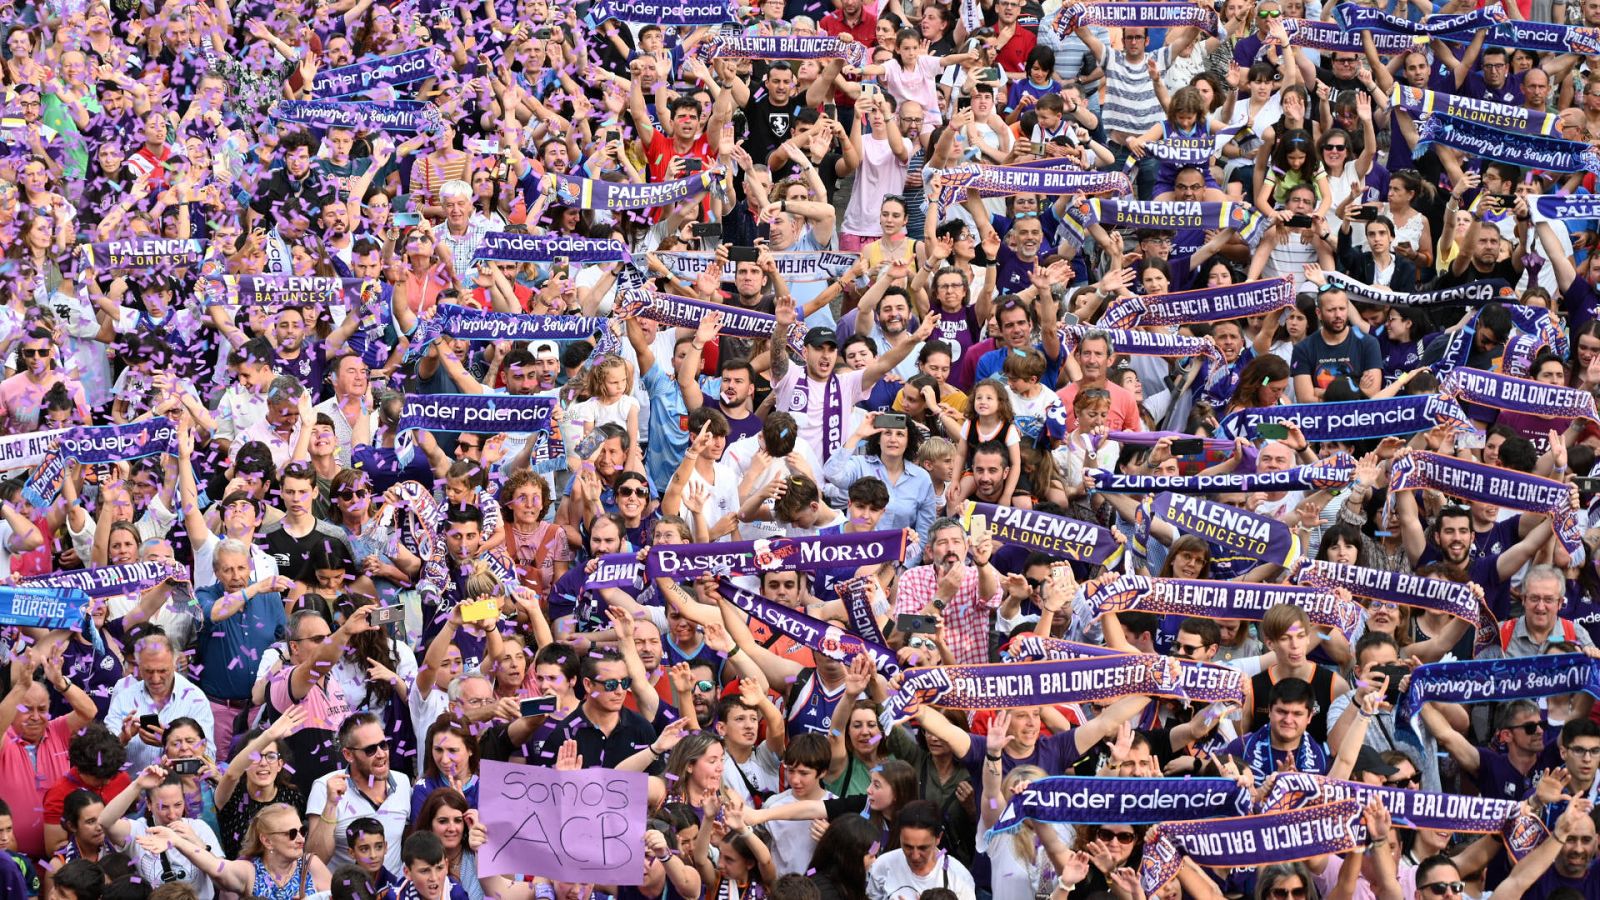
811 706
1321 697
264 887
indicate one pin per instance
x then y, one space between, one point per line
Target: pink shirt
916 85
324 705
1124 409
23 782
23 399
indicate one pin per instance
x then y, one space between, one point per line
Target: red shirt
1013 57
864 31
661 152
56 796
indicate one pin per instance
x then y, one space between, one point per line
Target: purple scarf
1517 395
1228 600
1469 480
681 562
1203 306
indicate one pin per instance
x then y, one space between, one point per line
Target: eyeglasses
462 445
1583 751
1186 651
641 493
270 756
1294 893
292 834
1528 728
1411 782
373 749
354 493
1121 837
1443 888
1269 13
614 684
1346 60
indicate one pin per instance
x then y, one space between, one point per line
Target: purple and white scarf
1145 343
687 312
593 193
277 291
486 414
1203 306
1336 471
1463 25
1051 177
1229 527
385 71
1421 102
1353 420
1121 15
1249 841
793 265
667 14
830 640
1463 601
1171 215
1468 480
471 324
755 46
1229 600
395 117
110 581
1550 154
1060 536
1569 207
1070 800
681 562
92 444
1517 395
508 246
1328 37
142 253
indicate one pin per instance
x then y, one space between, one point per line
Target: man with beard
963 594
1563 862
816 388
379 791
1479 259
1451 538
886 312
1508 774
1333 352
381 324
1017 317
23 393
991 469
750 283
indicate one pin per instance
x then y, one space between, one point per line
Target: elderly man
367 787
161 692
1544 589
462 230
242 619
304 683
33 746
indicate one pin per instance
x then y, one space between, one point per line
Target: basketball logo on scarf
1165 672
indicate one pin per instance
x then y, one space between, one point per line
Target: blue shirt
991 364
911 500
232 647
668 439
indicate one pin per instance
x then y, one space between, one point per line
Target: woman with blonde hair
1018 858
272 864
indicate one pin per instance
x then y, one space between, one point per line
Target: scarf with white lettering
615 196
1060 536
729 45
686 312
1070 800
1549 154
1517 395
1222 599
142 253
1328 37
110 581
1464 25
1477 293
278 291
668 13
1421 102
829 640
395 117
810 553
1499 680
1125 14
96 444
1098 679
1310 756
1412 808
1228 527
50 608
22 451
470 324
486 414
1135 342
1204 306
1170 215
1250 841
1463 601
384 71
1569 207
1336 471
1353 420
1469 480
1052 177
507 246
793 265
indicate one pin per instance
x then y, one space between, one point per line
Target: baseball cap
1369 760
816 337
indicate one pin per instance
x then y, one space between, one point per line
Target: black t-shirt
294 554
1503 270
769 125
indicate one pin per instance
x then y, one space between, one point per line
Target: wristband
995 758
732 653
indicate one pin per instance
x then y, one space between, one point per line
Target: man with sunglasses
302 679
367 787
1506 774
607 731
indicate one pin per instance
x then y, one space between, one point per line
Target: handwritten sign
581 826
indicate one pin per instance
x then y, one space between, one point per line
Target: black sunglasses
643 493
1528 728
1443 888
372 749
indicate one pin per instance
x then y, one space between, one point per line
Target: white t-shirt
760 771
792 844
891 878
796 391
1015 877
150 864
262 563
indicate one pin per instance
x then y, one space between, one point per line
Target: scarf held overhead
1069 800
1145 343
951 185
110 581
1462 601
1470 480
1493 680
1336 471
1011 685
1421 102
50 608
1121 15
385 71
1229 527
398 116
681 562
1517 395
1060 536
613 196
486 414
96 444
1230 600
1249 840
1352 420
668 14
1477 293
1550 154
1204 306
830 640
686 312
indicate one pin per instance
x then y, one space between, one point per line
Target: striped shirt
1130 105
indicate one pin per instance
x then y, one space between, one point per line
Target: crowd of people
1346 282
